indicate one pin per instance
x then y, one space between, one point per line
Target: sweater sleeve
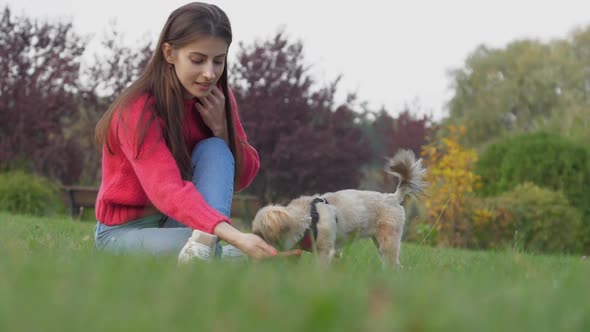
159 175
249 156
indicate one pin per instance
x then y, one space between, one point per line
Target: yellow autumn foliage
451 182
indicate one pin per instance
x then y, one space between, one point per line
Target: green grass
52 280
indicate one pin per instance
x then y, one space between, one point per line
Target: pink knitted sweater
134 185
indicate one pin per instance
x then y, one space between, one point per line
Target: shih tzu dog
325 223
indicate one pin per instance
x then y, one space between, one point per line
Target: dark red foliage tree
382 131
112 71
306 144
410 132
48 110
40 64
404 132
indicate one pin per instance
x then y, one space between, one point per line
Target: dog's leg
387 239
327 229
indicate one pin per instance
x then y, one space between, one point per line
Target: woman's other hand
212 110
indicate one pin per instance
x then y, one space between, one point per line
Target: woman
174 150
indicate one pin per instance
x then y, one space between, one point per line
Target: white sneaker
200 245
230 252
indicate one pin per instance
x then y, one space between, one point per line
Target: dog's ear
270 222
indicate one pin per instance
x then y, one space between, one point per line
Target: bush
451 183
529 217
28 194
546 160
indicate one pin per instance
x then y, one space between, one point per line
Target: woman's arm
250 161
159 175
212 111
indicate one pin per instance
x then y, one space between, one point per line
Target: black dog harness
309 237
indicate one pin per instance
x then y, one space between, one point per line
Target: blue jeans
213 177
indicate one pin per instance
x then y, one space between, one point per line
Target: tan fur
275 222
350 214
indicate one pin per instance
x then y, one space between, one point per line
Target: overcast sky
390 52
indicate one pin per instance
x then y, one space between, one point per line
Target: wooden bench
245 207
78 198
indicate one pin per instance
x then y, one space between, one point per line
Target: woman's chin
197 93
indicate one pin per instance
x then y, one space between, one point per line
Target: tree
516 89
306 144
451 182
388 134
409 132
102 82
381 133
573 121
114 69
40 63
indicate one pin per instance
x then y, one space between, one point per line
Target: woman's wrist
227 233
222 133
223 137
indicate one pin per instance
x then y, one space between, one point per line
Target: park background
507 152
494 96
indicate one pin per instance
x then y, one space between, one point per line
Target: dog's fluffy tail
409 171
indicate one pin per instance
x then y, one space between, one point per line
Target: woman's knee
212 147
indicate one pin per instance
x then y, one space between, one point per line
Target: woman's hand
212 110
255 247
251 244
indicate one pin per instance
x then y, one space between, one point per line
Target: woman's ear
168 53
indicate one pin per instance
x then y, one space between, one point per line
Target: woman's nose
208 72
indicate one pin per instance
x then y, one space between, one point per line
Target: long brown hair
184 25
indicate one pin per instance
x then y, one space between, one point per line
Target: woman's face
198 65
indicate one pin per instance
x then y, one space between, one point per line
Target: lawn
51 279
